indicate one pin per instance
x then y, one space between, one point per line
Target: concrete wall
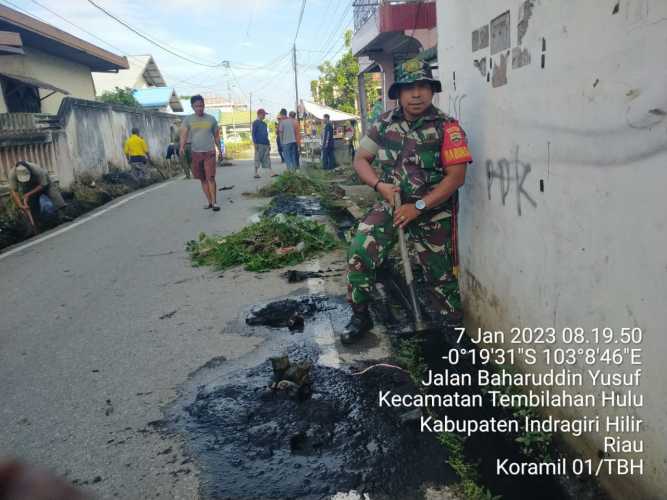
563 218
96 133
62 73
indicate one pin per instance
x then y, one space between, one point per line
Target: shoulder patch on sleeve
454 145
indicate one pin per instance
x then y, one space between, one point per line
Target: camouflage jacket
409 153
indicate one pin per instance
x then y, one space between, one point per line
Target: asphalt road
102 322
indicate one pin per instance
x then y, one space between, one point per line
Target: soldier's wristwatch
420 205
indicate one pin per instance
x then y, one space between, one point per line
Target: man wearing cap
27 182
423 155
260 138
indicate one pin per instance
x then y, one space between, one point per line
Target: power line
252 14
298 26
332 34
118 49
151 40
75 25
331 43
211 86
278 60
32 14
281 68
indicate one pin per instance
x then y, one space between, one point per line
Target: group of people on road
288 138
422 154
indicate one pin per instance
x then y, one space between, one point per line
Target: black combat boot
360 323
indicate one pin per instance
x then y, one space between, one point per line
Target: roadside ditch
86 193
299 416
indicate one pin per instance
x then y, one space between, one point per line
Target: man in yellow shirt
137 154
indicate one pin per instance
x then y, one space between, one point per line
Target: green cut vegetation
268 244
297 184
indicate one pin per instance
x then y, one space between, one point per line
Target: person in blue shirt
328 159
260 138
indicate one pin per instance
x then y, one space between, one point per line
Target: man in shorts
260 138
202 132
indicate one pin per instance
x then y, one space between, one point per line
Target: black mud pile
13 230
296 276
306 206
253 443
282 313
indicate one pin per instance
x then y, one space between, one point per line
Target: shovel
420 325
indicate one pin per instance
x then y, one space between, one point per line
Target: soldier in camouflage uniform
423 154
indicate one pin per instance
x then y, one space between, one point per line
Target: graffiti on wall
509 176
454 105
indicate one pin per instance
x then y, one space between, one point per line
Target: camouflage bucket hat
412 71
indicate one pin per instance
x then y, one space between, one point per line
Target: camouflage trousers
431 236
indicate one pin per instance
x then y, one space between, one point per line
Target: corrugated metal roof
142 71
157 97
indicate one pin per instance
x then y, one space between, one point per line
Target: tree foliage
337 85
119 95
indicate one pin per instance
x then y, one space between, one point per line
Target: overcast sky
254 35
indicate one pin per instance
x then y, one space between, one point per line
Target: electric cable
152 40
298 26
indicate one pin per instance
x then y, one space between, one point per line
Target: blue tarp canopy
158 97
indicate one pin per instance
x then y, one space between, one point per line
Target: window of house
20 97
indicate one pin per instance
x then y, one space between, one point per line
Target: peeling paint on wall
499 77
480 38
480 64
525 13
520 57
500 33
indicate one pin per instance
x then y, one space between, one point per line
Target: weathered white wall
592 126
64 74
96 133
90 139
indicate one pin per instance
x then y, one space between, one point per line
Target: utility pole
229 96
296 83
250 112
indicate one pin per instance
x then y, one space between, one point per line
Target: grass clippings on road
268 244
299 184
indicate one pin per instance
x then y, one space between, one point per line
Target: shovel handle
407 268
409 277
